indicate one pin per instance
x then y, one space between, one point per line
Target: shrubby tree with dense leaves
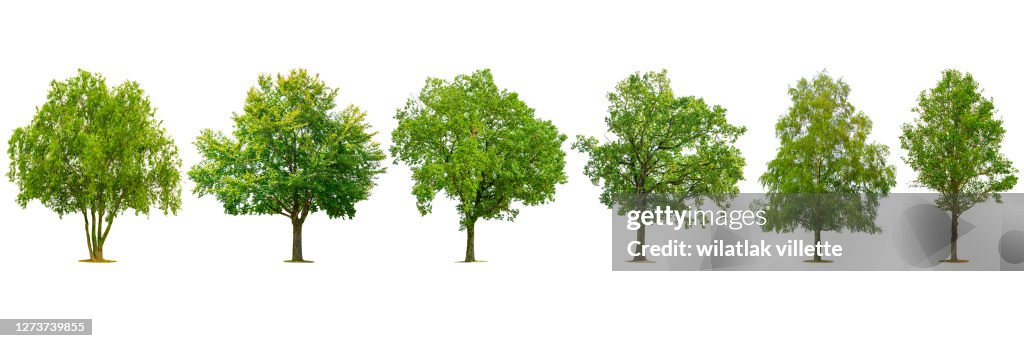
98 151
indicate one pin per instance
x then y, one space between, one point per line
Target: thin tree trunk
470 252
103 233
817 240
99 234
296 241
88 236
95 239
953 237
641 236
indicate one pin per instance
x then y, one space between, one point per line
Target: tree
664 147
954 145
96 151
479 144
826 176
292 154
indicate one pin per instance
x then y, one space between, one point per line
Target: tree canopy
291 154
481 146
663 144
98 151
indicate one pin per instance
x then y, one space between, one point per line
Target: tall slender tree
97 151
663 148
482 146
954 146
827 175
292 154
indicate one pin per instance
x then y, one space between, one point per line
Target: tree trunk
94 238
953 237
88 238
641 236
470 252
297 241
817 240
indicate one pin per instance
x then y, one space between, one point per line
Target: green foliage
479 144
954 144
97 151
291 153
668 146
826 176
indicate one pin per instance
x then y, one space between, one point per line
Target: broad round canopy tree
663 149
97 151
481 146
291 154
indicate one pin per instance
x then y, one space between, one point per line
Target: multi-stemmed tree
96 151
479 144
827 175
663 147
292 154
954 146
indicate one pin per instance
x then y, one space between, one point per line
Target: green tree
663 147
479 144
292 154
826 176
96 151
954 145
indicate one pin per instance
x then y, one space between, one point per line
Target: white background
388 277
